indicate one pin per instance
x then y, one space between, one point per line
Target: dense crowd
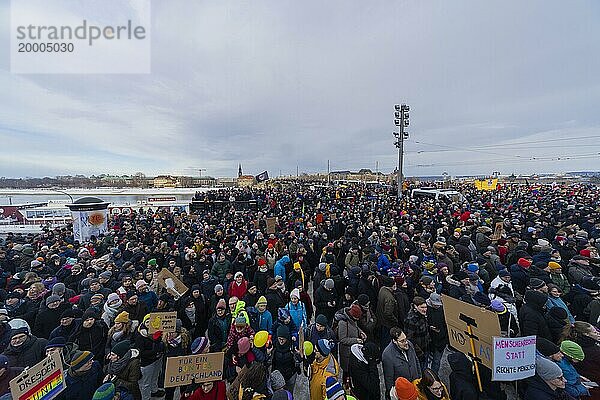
318 284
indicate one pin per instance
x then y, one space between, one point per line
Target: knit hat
105 275
277 380
321 320
460 275
329 284
218 287
536 283
546 347
55 342
221 304
98 297
139 284
434 300
585 253
68 313
240 321
333 388
323 347
497 306
152 262
80 359
558 313
89 313
105 392
472 267
3 361
261 300
113 297
524 262
122 317
51 299
355 311
199 345
295 293
503 273
405 390
243 345
554 265
58 288
121 348
283 314
283 331
572 350
18 331
547 369
363 299
480 298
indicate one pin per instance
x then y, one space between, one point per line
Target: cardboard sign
171 283
43 381
498 231
162 321
484 326
514 358
196 368
271 221
319 218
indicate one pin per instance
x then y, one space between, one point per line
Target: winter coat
561 281
422 394
416 328
397 362
47 320
136 312
9 375
322 298
319 373
580 298
218 329
218 392
558 302
365 376
92 339
149 298
348 334
519 278
283 360
31 352
279 268
462 381
387 308
538 389
574 386
130 375
435 317
150 349
220 269
531 315
577 272
275 300
83 386
298 314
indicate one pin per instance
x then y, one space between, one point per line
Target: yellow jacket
423 396
319 371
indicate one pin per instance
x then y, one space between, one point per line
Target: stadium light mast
401 121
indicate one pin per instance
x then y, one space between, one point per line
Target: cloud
286 84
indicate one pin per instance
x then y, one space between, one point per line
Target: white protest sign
514 358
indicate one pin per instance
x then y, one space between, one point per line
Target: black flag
263 176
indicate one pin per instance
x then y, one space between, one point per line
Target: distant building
246 181
165 181
226 182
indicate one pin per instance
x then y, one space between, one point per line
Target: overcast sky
280 84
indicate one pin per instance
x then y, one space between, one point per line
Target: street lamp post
65 193
401 121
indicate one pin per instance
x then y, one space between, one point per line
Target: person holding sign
214 390
151 350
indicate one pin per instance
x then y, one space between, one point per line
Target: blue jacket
298 313
84 386
279 268
383 264
265 321
574 386
558 302
150 298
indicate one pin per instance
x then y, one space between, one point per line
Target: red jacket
238 291
218 392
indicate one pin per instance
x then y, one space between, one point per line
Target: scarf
115 367
112 312
117 335
191 315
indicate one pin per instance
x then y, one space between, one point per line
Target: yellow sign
486 184
162 321
196 368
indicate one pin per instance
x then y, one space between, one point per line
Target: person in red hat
403 389
348 333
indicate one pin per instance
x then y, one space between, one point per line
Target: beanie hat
329 284
221 304
536 283
355 311
503 273
121 348
3 361
585 253
130 294
283 331
112 297
218 287
295 293
546 347
261 300
405 390
323 347
333 388
58 288
68 313
363 299
547 369
97 296
460 275
105 392
80 359
277 380
51 299
122 317
199 345
139 284
572 350
89 313
321 320
243 345
105 275
58 341
558 313
554 265
283 314
18 331
152 262
472 267
523 262
240 321
497 306
480 298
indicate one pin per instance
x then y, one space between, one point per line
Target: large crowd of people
327 285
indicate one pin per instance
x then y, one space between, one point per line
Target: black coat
531 315
283 360
28 354
322 297
538 389
365 379
462 381
92 339
48 319
150 349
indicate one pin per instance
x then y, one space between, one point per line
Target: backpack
254 318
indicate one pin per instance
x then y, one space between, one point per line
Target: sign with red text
43 381
514 358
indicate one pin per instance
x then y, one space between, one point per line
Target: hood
460 363
536 299
452 281
283 260
356 349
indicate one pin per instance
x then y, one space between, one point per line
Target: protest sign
171 283
271 225
514 358
483 323
43 381
498 231
162 321
196 368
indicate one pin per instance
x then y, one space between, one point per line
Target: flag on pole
263 176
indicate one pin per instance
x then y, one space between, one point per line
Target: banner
486 184
196 368
263 176
514 358
43 381
89 223
483 324
162 321
171 283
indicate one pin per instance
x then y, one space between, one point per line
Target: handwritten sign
514 358
162 321
43 381
171 283
196 368
483 323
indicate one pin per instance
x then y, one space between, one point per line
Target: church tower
240 171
